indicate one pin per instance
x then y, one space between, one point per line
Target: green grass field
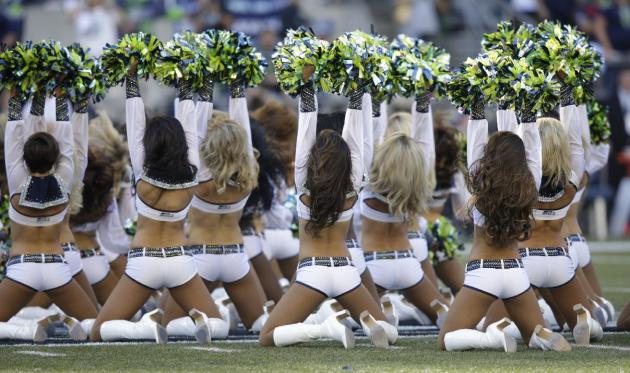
409 355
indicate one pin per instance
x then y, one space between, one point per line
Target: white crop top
36 221
373 214
304 212
556 214
218 208
155 214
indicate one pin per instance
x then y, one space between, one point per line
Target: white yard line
608 347
211 349
39 353
616 290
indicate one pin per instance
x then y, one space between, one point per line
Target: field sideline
411 353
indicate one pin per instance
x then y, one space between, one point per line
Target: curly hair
97 189
398 172
280 124
447 157
503 190
328 180
225 152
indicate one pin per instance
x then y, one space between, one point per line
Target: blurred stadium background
456 25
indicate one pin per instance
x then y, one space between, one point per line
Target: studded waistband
36 258
575 238
543 251
415 235
88 253
325 261
352 244
69 246
395 254
217 249
494 264
166 252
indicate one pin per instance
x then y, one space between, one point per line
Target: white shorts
578 244
419 245
281 243
253 245
40 276
157 273
501 282
73 257
332 282
548 271
226 268
395 274
356 253
573 254
96 268
109 255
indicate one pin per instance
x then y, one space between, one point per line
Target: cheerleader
595 158
277 219
164 156
98 223
395 194
227 175
109 143
328 174
504 177
40 171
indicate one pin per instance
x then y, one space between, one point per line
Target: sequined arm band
422 102
206 92
376 108
356 99
566 95
237 90
81 106
307 99
478 111
61 109
37 107
131 86
185 90
15 109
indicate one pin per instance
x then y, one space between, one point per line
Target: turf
411 354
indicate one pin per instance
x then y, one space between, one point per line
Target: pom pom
300 48
18 69
535 89
84 77
180 59
420 67
131 226
233 58
466 85
141 47
598 123
357 61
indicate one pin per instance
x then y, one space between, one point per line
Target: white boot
582 329
469 339
312 319
390 311
260 321
87 325
331 307
219 328
35 313
512 331
75 330
610 309
182 326
546 340
333 328
599 313
547 313
441 310
407 311
381 333
35 330
225 312
147 328
202 332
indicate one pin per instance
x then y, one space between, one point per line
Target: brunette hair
166 151
280 125
503 189
97 189
41 151
447 157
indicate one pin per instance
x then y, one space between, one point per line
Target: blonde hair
225 152
398 172
556 156
109 143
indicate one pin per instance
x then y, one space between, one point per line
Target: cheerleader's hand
422 102
478 110
206 92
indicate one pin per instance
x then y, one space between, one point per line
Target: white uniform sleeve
203 113
586 132
533 150
80 138
477 135
368 134
127 207
569 116
187 118
598 158
64 169
460 196
353 135
111 233
380 124
506 120
136 123
238 112
14 154
307 130
422 132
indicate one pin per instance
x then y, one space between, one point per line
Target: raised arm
35 120
353 135
79 120
531 141
136 124
238 111
111 233
203 113
379 120
62 132
506 120
187 118
476 134
569 116
14 146
307 130
598 158
422 129
368 135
